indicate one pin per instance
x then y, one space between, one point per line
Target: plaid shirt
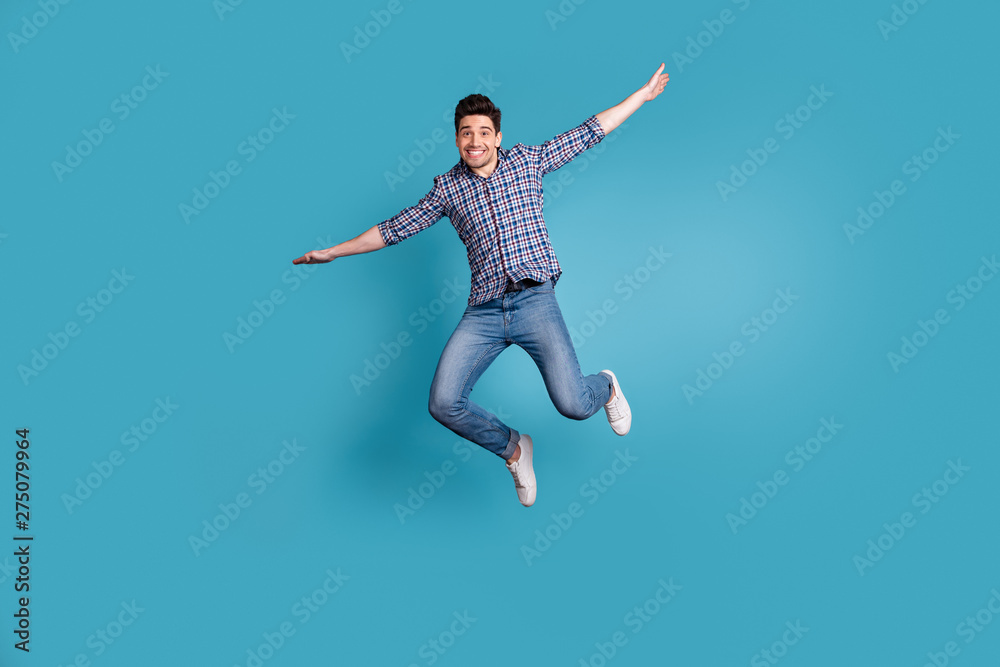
498 218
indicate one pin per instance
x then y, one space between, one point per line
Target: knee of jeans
571 409
441 408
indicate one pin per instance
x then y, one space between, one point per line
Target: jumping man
493 197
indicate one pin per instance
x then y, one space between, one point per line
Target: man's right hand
316 257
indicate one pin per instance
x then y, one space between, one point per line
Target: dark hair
477 105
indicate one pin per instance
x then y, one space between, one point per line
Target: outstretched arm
401 226
366 242
616 115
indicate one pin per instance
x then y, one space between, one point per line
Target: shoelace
614 412
513 471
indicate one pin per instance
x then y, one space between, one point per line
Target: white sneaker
619 414
523 472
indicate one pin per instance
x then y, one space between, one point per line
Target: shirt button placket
496 223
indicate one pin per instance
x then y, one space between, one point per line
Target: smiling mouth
475 154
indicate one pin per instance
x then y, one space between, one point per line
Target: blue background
466 550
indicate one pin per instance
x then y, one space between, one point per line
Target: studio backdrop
789 258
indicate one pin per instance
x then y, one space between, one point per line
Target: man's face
477 141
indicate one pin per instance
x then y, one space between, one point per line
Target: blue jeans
531 319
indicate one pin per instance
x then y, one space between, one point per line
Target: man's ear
499 139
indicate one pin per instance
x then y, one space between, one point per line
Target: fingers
313 257
658 80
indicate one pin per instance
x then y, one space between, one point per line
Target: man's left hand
656 84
